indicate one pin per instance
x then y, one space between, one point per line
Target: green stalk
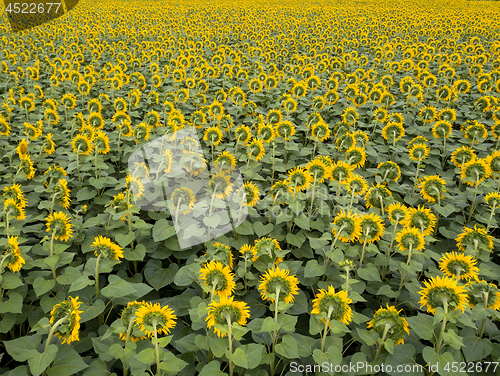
52 331
443 325
491 216
364 247
384 335
231 365
97 291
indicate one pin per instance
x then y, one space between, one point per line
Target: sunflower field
365 135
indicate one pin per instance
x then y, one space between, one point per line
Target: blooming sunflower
225 311
376 196
442 129
67 316
127 316
389 317
421 218
475 171
48 144
14 208
410 237
355 156
59 225
443 292
106 248
249 252
332 305
12 255
492 199
419 152
266 132
270 247
22 149
134 184
225 161
277 283
462 155
243 134
397 212
153 319
476 237
493 161
356 184
219 277
349 224
389 170
280 191
251 193
372 228
299 179
318 169
14 191
482 292
255 149
320 131
341 171
62 189
81 144
221 184
285 129
393 131
213 136
432 188
458 265
183 196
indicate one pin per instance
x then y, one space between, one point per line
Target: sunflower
290 104
285 129
251 193
243 134
397 212
380 114
418 140
225 161
4 127
475 171
421 218
448 114
376 196
476 237
341 171
361 138
348 224
153 319
355 156
127 316
299 179
270 247
492 199
332 305
462 155
27 103
59 225
482 292
31 131
14 191
442 129
27 167
81 144
69 101
134 184
475 131
277 283
255 149
266 132
410 237
345 141
389 317
280 191
443 292
350 116
226 311
12 255
393 131
22 149
459 266
320 131
106 248
101 142
372 228
419 152
493 161
221 184
49 146
389 170
67 315
356 184
429 113
142 132
62 189
218 277
249 252
432 188
183 196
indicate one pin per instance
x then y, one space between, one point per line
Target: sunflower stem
384 335
473 205
364 247
95 162
483 325
230 337
312 195
274 153
97 291
352 198
491 216
157 349
7 223
327 325
127 339
443 325
53 330
416 175
275 333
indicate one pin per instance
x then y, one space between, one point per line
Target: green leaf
97 368
85 194
313 269
269 325
422 325
162 230
137 254
81 283
369 273
245 228
218 346
452 339
476 348
146 356
117 287
212 221
212 369
253 352
287 322
39 362
296 240
124 240
239 331
18 348
262 230
288 347
11 281
92 311
369 337
8 321
302 221
157 276
67 362
13 305
172 364
437 362
238 357
185 276
305 344
41 285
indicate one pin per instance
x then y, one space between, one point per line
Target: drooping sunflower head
59 225
221 185
270 247
218 277
331 305
13 258
251 193
82 144
372 228
318 169
183 197
255 149
419 152
276 283
350 115
410 237
477 238
475 171
129 313
349 228
68 315
482 292
443 292
62 191
389 317
377 195
299 179
151 318
249 252
104 247
493 162
462 156
493 200
14 192
458 266
226 311
429 113
432 188
389 170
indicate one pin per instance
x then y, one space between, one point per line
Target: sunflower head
226 311
442 292
458 265
331 305
432 188
349 228
397 212
477 238
356 184
59 225
482 292
377 195
462 156
104 247
183 196
421 218
12 255
493 200
419 152
249 252
389 317
475 171
129 313
219 277
151 318
389 170
410 237
372 228
276 283
68 315
270 247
